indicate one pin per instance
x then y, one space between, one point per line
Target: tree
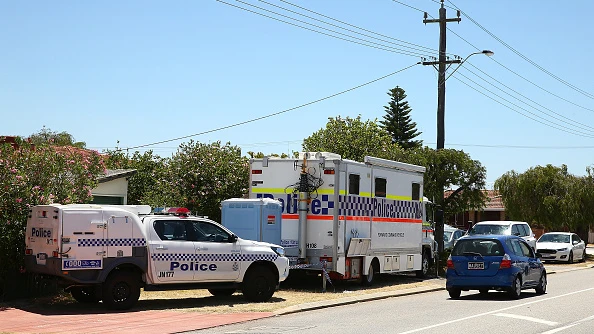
454 170
261 155
149 185
352 139
32 175
203 175
549 196
47 136
397 121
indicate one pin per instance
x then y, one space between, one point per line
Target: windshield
478 246
561 238
447 235
488 229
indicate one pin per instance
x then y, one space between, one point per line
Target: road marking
522 317
493 312
569 326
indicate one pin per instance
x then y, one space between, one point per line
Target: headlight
279 251
563 250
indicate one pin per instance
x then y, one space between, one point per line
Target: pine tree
397 121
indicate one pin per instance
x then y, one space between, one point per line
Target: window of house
416 191
354 180
380 187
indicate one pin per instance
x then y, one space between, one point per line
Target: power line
276 113
560 118
380 47
522 56
519 112
357 27
522 77
409 6
337 26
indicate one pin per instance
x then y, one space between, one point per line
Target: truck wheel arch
123 266
267 264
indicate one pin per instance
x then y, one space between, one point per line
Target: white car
561 246
505 227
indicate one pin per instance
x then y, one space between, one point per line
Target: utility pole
441 79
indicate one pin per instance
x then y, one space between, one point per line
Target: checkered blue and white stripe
205 257
355 206
132 242
364 206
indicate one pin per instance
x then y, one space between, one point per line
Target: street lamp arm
485 52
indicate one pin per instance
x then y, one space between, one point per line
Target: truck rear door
43 230
83 235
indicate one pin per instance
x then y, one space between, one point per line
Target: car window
478 246
457 235
575 238
550 237
171 230
525 230
515 230
526 250
515 247
205 231
447 235
488 229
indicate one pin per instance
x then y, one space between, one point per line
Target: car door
520 261
578 246
534 263
219 255
172 251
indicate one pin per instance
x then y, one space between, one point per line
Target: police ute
109 252
352 219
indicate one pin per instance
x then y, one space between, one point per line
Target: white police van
110 252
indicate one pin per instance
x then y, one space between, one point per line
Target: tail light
505 262
329 171
450 263
256 171
326 258
55 254
28 251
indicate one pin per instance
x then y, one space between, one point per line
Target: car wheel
570 258
121 290
454 293
516 288
483 291
86 295
259 284
424 266
541 288
370 277
583 256
222 292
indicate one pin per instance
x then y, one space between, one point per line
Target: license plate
476 265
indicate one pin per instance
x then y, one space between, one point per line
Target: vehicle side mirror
575 242
232 238
538 255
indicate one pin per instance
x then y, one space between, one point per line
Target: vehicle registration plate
476 265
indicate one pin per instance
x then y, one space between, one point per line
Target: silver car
561 246
450 236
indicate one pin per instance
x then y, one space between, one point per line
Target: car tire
483 291
222 292
584 255
121 290
541 288
516 289
570 257
258 284
85 295
367 280
424 266
454 293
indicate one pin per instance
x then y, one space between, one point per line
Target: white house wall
117 187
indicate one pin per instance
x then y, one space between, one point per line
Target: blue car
494 262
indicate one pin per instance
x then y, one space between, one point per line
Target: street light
488 53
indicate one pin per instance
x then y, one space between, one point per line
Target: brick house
493 210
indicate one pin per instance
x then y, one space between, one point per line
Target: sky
133 73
